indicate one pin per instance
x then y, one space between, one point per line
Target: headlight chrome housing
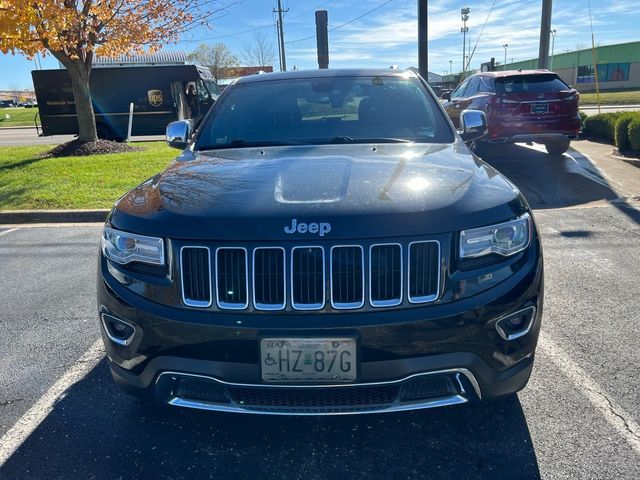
505 239
124 247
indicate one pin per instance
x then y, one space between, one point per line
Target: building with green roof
618 67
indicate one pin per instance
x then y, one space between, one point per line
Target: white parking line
26 425
4 232
618 418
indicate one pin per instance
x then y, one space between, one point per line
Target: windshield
325 110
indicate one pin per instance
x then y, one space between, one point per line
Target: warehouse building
618 67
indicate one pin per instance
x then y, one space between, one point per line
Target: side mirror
473 125
179 134
446 96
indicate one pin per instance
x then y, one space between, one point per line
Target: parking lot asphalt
577 418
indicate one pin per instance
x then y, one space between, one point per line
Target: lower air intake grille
386 275
231 275
307 278
423 271
196 276
268 278
347 277
315 397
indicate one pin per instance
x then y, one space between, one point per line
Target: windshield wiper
239 143
346 139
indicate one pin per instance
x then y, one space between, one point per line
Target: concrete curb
18 128
606 107
52 216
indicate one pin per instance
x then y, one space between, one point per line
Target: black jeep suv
326 243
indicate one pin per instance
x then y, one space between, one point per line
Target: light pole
553 44
506 47
464 14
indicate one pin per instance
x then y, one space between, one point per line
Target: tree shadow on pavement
97 432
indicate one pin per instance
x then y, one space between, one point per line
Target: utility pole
322 39
450 67
464 14
506 47
423 40
545 33
553 44
283 59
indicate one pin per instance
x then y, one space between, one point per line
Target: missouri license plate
308 359
540 108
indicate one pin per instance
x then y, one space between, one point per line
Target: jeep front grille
311 277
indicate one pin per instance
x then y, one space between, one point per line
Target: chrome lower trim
395 407
125 342
521 333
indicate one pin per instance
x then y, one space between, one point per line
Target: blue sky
388 35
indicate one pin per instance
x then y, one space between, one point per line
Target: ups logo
154 97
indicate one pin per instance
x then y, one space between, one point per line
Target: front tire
558 147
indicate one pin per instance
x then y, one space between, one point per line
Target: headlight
124 247
504 239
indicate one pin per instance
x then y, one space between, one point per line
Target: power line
255 29
480 35
345 23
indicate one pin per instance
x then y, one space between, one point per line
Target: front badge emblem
154 97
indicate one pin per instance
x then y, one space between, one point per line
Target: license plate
308 359
540 108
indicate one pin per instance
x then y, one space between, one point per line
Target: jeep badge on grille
319 228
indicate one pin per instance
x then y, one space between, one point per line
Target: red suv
521 106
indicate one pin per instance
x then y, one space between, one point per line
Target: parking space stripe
26 425
618 418
4 232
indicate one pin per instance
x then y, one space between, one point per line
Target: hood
361 191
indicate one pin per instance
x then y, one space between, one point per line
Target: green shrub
602 126
634 133
622 130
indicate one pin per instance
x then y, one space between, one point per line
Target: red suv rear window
534 83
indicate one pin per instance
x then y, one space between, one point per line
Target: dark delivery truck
160 95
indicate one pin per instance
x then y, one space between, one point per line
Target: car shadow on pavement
95 431
551 181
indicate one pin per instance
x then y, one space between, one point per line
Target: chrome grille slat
232 279
307 284
347 276
424 271
195 266
385 275
269 283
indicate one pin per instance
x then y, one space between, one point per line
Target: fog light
118 330
516 325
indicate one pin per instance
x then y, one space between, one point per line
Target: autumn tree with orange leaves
74 31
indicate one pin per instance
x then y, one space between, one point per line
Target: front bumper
210 360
